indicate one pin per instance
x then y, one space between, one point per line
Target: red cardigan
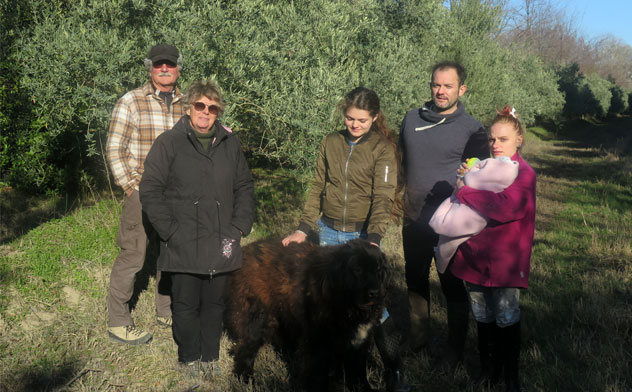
499 256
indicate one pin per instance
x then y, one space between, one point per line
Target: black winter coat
198 201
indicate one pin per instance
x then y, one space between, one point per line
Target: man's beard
440 109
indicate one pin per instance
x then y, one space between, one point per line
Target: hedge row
283 66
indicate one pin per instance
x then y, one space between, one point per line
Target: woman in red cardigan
495 263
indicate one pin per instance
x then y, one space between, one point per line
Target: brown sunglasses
200 106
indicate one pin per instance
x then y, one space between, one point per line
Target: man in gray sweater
434 140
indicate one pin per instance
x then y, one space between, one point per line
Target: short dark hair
460 71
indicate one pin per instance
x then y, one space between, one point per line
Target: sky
595 18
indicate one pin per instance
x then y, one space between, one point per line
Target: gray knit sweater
433 146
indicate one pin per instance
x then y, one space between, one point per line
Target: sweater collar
431 116
220 131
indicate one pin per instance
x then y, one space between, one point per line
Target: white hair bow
513 112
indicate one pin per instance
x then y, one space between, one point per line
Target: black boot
388 339
511 356
458 315
488 335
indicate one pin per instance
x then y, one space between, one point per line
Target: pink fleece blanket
455 222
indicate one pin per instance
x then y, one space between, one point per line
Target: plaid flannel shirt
138 118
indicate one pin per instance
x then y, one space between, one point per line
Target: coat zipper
219 240
344 208
197 227
219 237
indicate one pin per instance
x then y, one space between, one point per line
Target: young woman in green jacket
354 182
352 196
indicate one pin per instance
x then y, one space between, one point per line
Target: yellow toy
471 162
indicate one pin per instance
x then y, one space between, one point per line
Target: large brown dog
316 305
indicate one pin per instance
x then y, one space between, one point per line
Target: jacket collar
363 139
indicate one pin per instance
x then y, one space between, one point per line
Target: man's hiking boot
166 322
129 334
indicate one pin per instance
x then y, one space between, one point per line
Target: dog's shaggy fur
316 305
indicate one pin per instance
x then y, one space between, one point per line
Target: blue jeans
329 236
495 304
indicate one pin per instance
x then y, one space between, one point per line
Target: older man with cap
138 118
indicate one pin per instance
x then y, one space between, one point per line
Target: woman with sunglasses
198 193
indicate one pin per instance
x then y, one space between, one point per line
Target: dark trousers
419 241
198 307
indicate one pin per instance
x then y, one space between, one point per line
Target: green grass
62 251
578 308
577 314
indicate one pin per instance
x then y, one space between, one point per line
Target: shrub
283 67
499 75
73 68
619 101
585 95
570 81
597 95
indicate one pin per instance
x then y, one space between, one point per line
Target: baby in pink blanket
455 222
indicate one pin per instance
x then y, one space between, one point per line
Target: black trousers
198 308
419 241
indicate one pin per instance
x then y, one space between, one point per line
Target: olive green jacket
353 188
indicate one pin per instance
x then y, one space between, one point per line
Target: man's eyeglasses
169 65
200 106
